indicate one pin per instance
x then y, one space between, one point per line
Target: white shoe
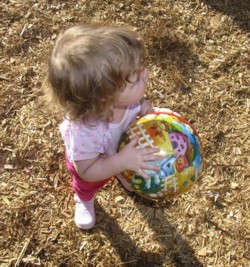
84 213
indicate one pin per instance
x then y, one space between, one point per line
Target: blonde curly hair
88 68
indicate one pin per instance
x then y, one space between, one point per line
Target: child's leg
85 192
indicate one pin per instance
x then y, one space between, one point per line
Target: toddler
97 77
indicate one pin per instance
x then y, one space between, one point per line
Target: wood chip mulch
198 57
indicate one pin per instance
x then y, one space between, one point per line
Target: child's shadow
237 10
174 248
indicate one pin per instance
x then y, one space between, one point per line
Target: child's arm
129 158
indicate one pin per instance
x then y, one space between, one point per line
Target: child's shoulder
82 127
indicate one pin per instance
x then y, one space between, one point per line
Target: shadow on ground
174 248
239 11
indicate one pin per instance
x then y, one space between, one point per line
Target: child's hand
161 110
138 159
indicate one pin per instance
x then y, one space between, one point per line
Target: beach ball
180 147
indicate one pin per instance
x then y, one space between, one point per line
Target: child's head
89 66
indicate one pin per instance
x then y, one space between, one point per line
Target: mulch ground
198 57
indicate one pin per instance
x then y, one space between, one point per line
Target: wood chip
198 60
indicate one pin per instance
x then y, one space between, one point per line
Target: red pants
85 190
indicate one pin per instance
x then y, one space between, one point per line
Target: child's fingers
150 150
150 157
133 141
143 174
151 167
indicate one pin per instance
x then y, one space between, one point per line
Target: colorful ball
180 147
